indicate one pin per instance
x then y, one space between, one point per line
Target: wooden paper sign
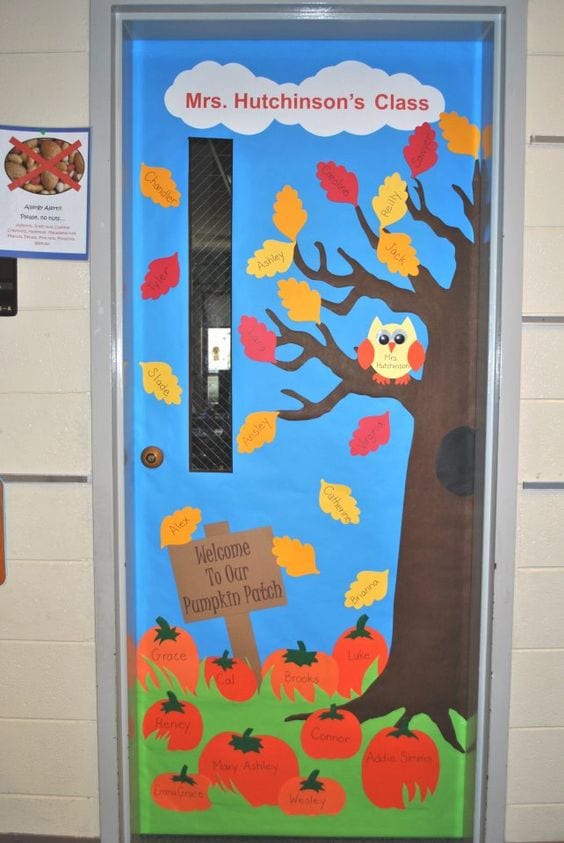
229 575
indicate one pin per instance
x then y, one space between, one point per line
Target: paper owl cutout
392 350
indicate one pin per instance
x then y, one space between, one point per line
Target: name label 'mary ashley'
227 574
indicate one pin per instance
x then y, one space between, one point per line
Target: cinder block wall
48 775
535 794
48 766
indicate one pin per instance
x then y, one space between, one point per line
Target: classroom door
306 269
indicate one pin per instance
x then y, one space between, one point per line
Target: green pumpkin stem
312 782
302 657
402 730
165 632
173 704
332 714
245 743
183 777
359 631
224 662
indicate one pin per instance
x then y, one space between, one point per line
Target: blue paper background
277 485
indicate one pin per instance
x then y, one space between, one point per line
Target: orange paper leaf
302 303
289 216
275 256
298 559
462 137
156 184
396 251
257 430
179 527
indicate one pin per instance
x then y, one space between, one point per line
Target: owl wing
415 355
365 354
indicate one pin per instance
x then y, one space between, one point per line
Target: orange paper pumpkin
331 733
181 792
312 796
301 671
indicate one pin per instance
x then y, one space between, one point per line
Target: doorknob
152 457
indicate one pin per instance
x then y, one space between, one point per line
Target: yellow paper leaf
159 380
461 135
396 251
257 430
275 256
298 559
487 142
302 303
179 527
337 501
391 203
368 587
289 216
156 183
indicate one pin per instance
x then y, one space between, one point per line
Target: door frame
106 22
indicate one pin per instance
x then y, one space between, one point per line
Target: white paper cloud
347 97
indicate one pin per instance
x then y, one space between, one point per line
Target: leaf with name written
162 275
257 430
302 303
289 215
259 343
487 141
462 137
339 184
337 501
159 380
396 251
372 431
296 558
390 203
275 256
421 151
368 587
156 183
179 527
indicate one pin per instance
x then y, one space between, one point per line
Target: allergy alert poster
299 606
44 183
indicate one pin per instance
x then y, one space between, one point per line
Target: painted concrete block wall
47 695
535 792
48 771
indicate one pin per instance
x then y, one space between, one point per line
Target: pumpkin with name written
181 792
331 733
301 670
233 677
312 796
399 761
254 765
170 649
355 650
177 720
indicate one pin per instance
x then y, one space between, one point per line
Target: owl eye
399 338
383 338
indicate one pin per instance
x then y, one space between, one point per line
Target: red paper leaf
162 275
339 184
421 151
372 431
259 343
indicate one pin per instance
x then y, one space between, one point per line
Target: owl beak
391 346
